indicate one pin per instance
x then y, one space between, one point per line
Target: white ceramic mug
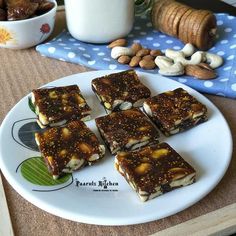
99 21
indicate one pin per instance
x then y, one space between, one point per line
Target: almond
135 61
201 71
118 42
147 64
156 53
136 47
124 59
148 57
143 52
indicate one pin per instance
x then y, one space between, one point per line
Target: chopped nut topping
175 111
151 176
124 86
55 105
143 168
126 130
68 148
160 153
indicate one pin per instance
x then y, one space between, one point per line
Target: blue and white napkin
65 48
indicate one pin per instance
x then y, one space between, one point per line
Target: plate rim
93 220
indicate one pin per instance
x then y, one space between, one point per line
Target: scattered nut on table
155 53
118 51
143 52
148 57
136 47
194 66
175 69
147 64
201 71
134 56
124 59
135 61
118 42
174 63
214 60
195 59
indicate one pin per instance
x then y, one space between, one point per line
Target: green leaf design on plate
31 105
35 171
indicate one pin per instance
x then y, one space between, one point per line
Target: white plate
208 147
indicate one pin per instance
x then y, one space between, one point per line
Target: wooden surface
25 70
219 222
5 220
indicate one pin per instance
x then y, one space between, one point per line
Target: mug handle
143 6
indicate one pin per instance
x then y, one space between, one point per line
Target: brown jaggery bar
120 91
175 111
69 148
154 170
56 106
126 130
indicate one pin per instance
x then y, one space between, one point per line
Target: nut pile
13 10
188 61
135 55
199 64
197 27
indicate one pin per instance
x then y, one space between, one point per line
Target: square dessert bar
120 91
69 148
175 111
154 170
126 130
56 106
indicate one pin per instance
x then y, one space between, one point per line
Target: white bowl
27 33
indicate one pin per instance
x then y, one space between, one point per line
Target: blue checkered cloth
65 48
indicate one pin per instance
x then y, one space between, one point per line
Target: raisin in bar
126 130
69 148
56 106
175 111
120 91
154 170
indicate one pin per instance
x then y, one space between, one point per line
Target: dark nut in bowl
44 7
2 3
20 9
24 9
3 15
26 28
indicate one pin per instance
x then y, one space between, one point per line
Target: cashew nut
163 62
188 50
195 59
173 70
174 54
167 67
214 60
118 51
